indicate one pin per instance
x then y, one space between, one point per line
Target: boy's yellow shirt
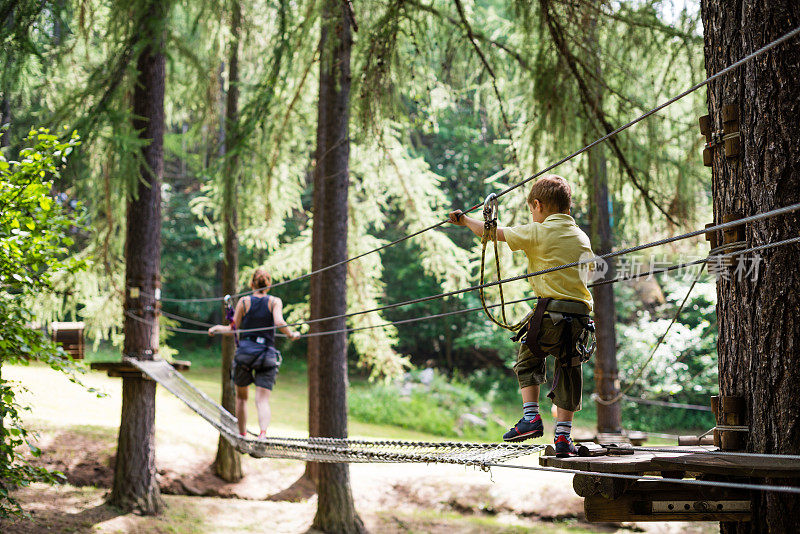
556 241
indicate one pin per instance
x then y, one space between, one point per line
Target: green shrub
435 408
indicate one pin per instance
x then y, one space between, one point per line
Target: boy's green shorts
532 371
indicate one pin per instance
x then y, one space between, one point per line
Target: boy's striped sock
563 428
530 410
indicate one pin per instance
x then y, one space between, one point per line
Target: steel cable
602 139
624 278
664 241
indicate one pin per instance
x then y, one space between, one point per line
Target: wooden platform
613 499
70 336
123 369
681 460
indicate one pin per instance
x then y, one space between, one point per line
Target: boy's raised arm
459 218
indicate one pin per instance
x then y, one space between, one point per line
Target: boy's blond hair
553 192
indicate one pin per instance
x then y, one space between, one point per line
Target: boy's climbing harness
490 233
563 329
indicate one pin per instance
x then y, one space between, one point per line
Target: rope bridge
339 450
330 450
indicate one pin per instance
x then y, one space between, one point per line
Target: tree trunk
135 485
228 463
605 315
759 330
312 468
605 363
335 508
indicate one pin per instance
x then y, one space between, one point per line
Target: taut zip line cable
624 278
726 70
636 248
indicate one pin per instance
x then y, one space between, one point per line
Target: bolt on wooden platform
125 369
609 499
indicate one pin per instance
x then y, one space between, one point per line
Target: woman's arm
277 316
237 320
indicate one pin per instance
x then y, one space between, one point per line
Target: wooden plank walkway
123 369
681 462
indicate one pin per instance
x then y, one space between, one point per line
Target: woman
256 358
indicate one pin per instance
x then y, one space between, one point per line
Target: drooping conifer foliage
450 101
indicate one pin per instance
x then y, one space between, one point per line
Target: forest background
451 101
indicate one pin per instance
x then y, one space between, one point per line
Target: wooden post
732 413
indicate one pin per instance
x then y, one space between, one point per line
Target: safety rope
490 216
619 396
667 404
737 246
733 66
722 226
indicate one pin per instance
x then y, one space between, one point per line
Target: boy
562 312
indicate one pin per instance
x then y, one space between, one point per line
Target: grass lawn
289 401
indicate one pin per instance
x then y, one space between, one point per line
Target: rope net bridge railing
329 450
723 226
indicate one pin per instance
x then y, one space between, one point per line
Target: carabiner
490 208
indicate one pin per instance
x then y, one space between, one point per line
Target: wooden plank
732 465
639 508
125 374
124 367
640 462
181 365
108 366
634 463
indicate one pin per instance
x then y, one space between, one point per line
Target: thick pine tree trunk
228 463
759 329
335 508
605 362
605 313
135 485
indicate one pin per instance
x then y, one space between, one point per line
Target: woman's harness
251 354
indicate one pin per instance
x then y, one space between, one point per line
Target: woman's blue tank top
259 316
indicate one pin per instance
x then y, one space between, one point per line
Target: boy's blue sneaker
564 446
525 430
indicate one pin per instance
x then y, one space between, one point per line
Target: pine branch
476 34
557 33
488 67
279 132
642 22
